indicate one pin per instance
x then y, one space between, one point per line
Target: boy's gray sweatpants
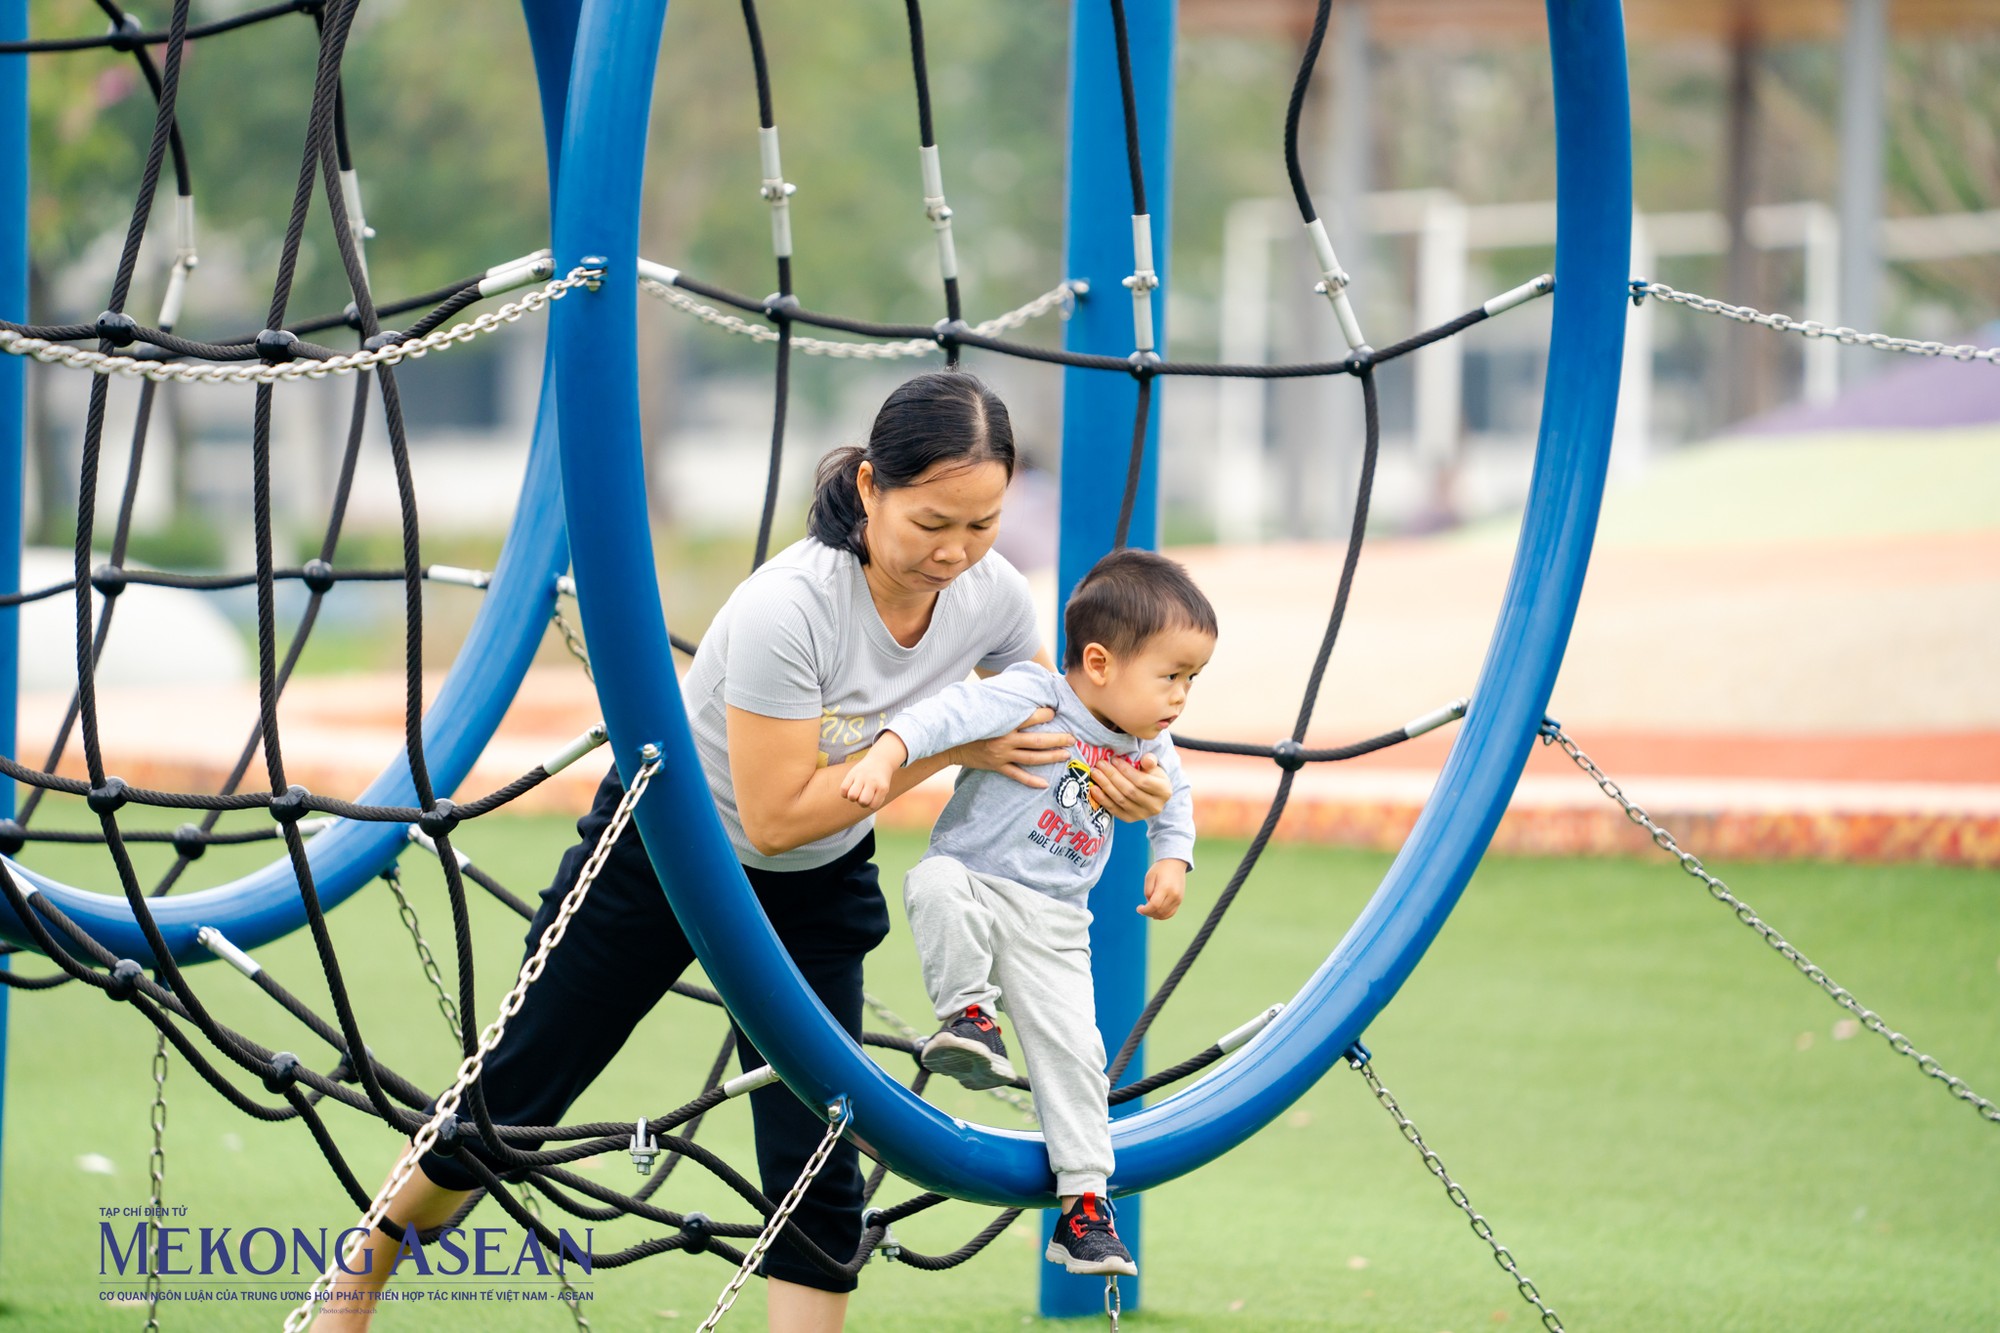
982 940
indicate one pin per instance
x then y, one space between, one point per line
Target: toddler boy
997 904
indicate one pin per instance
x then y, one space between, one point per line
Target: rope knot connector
699 1228
318 576
386 338
449 1137
948 331
107 798
439 820
125 976
117 328
1289 755
190 842
108 579
1145 363
127 34
781 305
12 837
282 1074
290 806
277 346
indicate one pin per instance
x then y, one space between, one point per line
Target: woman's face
922 536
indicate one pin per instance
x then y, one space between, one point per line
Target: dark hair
946 416
1127 598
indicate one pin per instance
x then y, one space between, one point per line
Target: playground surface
1669 1128
1784 650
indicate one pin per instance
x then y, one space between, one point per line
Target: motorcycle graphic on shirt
1074 789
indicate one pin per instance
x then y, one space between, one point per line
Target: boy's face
1143 692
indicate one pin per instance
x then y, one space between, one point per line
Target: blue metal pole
13 405
1097 433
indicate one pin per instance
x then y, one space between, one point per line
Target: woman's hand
1020 750
1131 793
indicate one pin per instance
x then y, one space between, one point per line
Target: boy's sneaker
969 1049
1084 1241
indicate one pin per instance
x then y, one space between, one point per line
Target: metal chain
469 1068
431 973
1809 328
1480 1226
533 1203
188 372
840 1114
1064 294
1012 1096
1552 733
572 640
157 1168
1113 1303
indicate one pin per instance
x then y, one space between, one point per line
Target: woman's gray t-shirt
801 638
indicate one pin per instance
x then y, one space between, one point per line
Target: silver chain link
572 640
1062 295
1480 1226
841 1113
1113 1303
533 1203
431 972
469 1068
1552 733
157 1169
1012 1096
190 372
1809 328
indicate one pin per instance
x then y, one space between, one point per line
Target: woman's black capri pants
622 951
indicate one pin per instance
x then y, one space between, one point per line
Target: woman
890 598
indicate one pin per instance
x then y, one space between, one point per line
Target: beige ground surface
1787 645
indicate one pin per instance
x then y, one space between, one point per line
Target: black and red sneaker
1086 1242
969 1049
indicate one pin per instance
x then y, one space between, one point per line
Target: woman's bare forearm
819 810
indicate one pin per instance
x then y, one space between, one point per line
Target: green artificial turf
1655 1111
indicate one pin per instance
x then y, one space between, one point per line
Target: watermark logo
241 1263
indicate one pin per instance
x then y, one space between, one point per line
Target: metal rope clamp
645 1149
888 1247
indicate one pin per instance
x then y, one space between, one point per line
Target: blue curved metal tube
265 905
597 215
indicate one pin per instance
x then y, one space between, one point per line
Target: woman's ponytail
836 517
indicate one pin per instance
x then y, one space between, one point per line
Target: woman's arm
783 796
786 800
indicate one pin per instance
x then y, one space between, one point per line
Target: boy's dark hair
1127 598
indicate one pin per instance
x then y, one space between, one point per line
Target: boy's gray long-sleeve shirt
1054 840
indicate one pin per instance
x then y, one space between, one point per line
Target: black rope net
276 1086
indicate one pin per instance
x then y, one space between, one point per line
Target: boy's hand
867 783
1166 885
